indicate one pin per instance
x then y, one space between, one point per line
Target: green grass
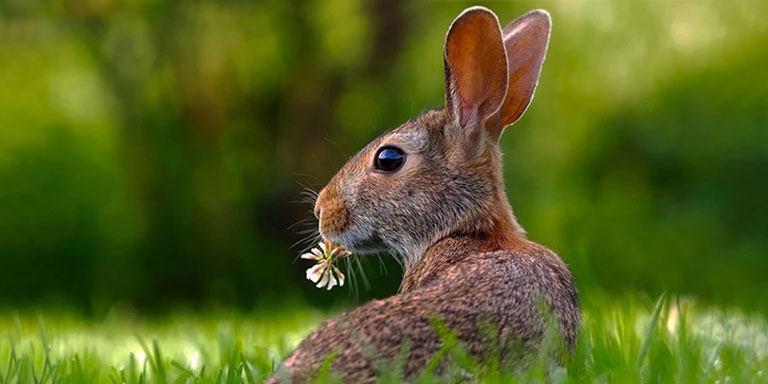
627 340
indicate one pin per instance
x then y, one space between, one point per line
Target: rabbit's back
472 295
514 284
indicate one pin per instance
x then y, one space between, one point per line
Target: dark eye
389 159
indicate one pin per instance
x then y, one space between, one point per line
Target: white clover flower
324 273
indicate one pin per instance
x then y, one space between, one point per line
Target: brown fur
467 262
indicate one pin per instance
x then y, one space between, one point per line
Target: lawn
634 339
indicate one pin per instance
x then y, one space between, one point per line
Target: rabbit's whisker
300 222
398 260
382 266
366 283
310 240
353 286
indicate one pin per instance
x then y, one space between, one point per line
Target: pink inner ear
476 66
467 112
516 30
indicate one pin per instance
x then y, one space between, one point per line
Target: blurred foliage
151 152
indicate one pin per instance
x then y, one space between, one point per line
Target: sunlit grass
628 340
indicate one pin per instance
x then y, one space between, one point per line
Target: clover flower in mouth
324 273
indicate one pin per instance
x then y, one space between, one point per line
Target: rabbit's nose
331 211
319 203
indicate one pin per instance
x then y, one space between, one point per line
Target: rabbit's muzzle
331 211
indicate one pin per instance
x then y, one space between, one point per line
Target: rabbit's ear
525 40
475 71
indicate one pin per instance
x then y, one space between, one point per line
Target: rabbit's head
439 175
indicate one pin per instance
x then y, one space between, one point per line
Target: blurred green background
153 153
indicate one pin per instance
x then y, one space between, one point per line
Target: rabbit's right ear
475 73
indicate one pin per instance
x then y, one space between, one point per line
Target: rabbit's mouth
357 242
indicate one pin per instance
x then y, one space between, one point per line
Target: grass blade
651 327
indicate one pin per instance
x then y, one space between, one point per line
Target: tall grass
628 340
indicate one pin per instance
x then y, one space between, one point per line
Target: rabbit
432 191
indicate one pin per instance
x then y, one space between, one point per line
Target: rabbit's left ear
475 72
525 40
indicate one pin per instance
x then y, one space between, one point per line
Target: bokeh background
153 153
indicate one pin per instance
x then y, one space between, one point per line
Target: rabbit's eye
389 159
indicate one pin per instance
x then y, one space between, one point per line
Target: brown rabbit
432 191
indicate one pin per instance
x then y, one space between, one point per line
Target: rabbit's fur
467 262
